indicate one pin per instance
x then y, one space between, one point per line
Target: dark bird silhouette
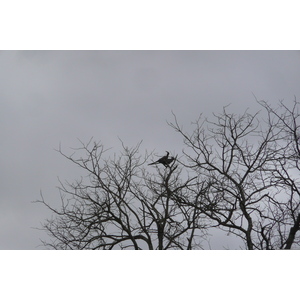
169 160
165 160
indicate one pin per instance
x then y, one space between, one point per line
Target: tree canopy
237 173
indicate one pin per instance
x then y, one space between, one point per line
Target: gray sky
52 97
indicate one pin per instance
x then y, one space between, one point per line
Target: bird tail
152 163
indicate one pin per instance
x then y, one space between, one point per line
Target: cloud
48 97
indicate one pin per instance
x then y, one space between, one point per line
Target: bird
165 160
169 160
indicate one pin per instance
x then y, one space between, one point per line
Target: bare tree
119 204
287 211
238 174
246 170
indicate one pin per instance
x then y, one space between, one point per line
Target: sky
50 98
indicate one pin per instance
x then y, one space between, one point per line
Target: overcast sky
52 97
